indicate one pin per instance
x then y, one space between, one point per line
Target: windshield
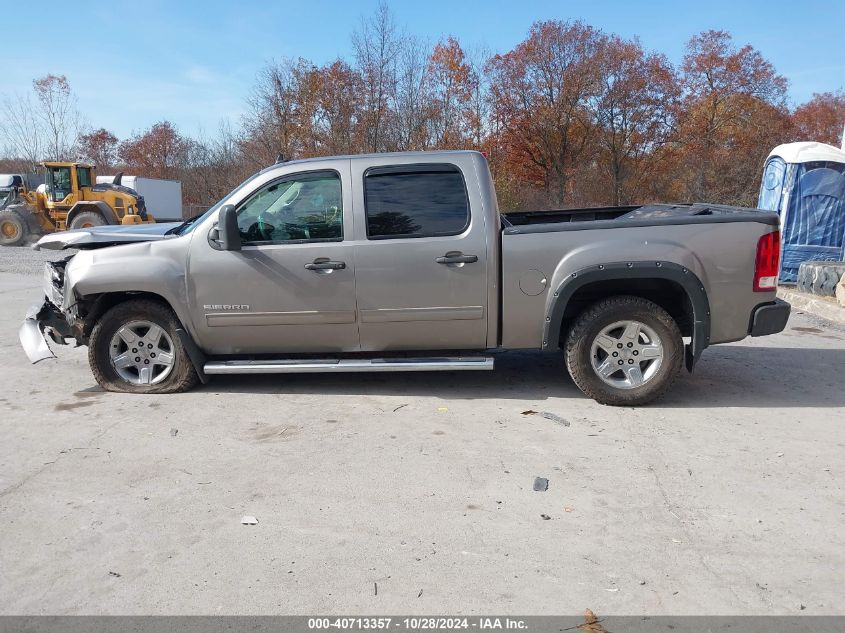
189 225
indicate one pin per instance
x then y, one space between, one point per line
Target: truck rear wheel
624 351
135 348
13 228
87 219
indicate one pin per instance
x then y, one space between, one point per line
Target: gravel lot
25 261
401 493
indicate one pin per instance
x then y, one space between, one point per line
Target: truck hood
102 236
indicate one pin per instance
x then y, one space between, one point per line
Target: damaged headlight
54 282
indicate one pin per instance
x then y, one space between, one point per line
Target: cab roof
58 163
430 155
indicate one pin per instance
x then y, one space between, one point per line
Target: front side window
60 186
415 201
301 208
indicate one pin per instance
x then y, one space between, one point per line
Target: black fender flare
670 271
92 205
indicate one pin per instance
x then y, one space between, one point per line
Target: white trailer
163 198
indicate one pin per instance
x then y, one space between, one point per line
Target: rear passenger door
421 259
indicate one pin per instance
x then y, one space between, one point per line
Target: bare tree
479 102
20 130
282 114
44 125
58 115
411 99
377 47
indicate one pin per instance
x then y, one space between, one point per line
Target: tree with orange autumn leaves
821 118
570 116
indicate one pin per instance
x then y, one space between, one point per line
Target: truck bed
541 250
630 216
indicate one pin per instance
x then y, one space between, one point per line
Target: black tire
87 219
820 277
590 323
14 229
182 376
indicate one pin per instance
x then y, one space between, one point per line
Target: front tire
135 348
87 220
624 351
13 228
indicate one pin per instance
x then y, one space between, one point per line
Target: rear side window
415 201
83 174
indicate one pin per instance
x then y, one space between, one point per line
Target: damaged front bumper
43 321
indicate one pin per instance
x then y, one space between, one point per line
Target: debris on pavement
248 520
548 415
114 573
545 517
375 588
780 454
541 484
592 624
554 418
442 409
419 594
173 432
568 509
400 407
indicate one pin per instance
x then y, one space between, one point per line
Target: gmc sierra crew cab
402 262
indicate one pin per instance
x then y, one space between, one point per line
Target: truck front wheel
624 351
135 348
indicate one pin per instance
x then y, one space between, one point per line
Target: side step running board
295 366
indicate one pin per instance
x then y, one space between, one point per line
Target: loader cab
64 179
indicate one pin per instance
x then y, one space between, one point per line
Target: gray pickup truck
402 262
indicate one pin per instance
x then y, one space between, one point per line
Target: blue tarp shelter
805 184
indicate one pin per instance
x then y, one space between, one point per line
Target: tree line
571 116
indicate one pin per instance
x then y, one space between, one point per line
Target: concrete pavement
726 497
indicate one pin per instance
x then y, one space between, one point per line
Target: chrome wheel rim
142 353
626 354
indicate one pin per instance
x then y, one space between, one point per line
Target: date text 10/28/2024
417 623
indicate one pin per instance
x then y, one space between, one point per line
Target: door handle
456 257
325 264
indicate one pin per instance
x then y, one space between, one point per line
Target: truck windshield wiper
177 230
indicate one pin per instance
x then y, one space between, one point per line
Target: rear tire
87 219
107 346
14 230
644 351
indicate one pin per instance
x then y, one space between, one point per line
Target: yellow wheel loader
68 199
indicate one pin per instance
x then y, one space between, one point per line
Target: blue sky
193 63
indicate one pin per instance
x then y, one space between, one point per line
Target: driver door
291 287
